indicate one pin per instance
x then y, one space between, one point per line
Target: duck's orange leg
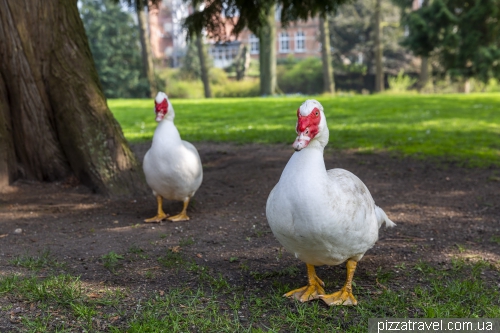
344 296
161 214
313 289
182 216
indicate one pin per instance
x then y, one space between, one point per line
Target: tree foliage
463 34
218 15
352 34
114 42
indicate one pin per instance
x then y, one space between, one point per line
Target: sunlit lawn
462 128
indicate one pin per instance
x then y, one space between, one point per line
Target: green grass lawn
460 128
66 304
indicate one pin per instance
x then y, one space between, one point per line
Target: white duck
172 166
323 217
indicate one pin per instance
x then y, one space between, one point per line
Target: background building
168 39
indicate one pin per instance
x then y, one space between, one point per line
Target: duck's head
162 106
311 125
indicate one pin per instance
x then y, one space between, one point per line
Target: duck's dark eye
317 113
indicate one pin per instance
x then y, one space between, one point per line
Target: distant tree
267 52
190 67
203 58
463 34
379 72
326 57
242 62
139 6
353 37
114 42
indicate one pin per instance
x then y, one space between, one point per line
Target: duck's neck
305 166
166 133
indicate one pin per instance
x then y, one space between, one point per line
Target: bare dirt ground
440 212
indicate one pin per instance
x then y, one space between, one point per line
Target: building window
223 55
284 42
254 44
300 41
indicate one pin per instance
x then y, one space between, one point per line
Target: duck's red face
161 109
307 127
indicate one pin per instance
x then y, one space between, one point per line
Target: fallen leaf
199 255
175 249
113 319
94 295
161 292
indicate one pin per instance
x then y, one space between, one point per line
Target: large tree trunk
203 66
54 120
7 154
326 57
147 54
379 73
267 54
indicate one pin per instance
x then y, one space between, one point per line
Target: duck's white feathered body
323 217
172 166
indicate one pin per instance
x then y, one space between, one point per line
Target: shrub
305 76
244 88
185 89
217 76
400 83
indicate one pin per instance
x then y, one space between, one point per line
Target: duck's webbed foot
344 296
182 216
161 214
313 289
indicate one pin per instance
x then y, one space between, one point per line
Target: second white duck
172 166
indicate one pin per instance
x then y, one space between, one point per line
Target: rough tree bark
54 120
147 54
267 54
379 73
326 57
203 66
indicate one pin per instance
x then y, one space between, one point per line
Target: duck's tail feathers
382 217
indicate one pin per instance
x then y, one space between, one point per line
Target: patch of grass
456 289
495 239
85 312
186 241
111 261
171 259
59 289
36 262
135 249
138 252
459 128
289 271
60 303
